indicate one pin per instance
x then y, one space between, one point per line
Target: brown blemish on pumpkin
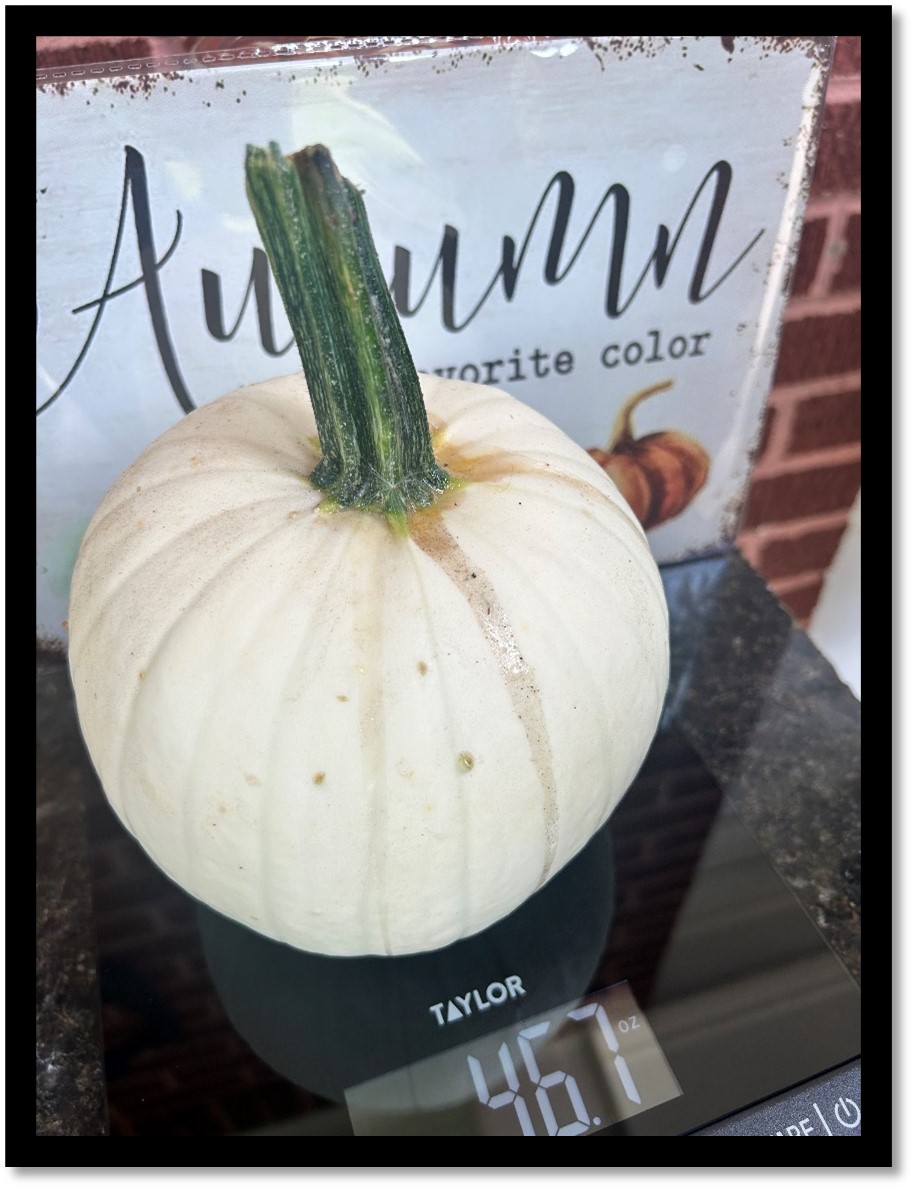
251 779
422 667
222 809
142 674
465 761
291 516
163 803
491 466
494 466
318 778
498 466
342 698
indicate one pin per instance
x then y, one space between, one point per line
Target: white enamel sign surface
571 220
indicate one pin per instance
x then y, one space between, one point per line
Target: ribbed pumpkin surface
350 739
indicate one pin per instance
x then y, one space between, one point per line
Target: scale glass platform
666 982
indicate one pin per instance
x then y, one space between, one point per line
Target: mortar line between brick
795 582
779 438
844 88
819 386
777 531
829 263
848 201
822 307
813 460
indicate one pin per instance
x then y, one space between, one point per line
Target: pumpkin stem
372 423
622 427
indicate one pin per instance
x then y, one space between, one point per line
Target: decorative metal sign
604 227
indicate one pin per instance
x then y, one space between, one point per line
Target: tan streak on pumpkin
498 467
428 530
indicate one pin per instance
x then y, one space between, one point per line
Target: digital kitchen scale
666 982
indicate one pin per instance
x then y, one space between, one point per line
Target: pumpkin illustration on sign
362 686
658 474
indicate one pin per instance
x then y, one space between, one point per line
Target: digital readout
568 1072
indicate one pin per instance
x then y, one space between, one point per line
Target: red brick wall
72 51
807 471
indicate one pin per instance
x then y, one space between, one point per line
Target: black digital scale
666 982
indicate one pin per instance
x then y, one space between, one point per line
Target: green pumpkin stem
622 427
372 423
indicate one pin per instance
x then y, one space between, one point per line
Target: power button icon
847 1112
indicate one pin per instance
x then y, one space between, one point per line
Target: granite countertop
763 708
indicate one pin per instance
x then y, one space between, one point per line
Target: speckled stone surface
763 708
778 730
70 1082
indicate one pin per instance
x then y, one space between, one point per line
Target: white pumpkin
354 740
355 733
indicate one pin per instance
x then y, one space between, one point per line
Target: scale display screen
568 1072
